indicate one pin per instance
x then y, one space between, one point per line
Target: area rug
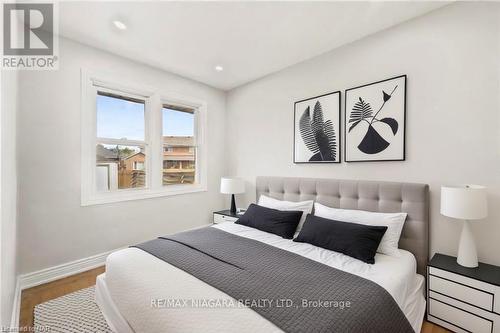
73 313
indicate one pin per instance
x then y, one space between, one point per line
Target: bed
128 294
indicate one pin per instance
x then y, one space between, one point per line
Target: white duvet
139 283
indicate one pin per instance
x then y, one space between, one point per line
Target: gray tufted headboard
364 195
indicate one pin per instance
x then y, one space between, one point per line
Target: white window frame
153 143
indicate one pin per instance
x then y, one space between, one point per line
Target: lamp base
233 205
467 255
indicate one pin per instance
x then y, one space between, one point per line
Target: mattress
136 281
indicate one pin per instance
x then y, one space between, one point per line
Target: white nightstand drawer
219 218
487 288
460 318
464 293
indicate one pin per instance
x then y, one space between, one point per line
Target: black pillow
280 222
359 241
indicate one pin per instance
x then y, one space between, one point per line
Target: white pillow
393 221
305 206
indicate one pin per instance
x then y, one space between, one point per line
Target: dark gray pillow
278 222
359 241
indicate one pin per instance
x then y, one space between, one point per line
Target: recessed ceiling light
120 25
219 68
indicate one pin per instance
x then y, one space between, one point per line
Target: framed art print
317 129
375 121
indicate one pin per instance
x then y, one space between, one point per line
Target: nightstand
225 216
463 299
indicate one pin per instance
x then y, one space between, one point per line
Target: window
139 165
139 143
179 159
120 140
120 117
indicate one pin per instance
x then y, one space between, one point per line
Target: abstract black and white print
375 121
317 129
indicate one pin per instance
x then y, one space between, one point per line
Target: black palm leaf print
318 135
307 133
373 142
361 111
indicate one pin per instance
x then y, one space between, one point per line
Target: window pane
179 151
178 121
120 167
119 117
179 163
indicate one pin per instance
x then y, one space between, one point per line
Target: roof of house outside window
105 154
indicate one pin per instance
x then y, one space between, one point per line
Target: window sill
135 194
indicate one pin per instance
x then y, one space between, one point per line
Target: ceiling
249 39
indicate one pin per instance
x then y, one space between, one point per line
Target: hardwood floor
432 328
45 292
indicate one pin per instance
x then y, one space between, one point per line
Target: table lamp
232 186
465 202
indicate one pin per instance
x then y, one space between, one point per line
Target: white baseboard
50 274
16 307
61 271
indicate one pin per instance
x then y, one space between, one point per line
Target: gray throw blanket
294 293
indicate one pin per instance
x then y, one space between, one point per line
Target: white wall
8 188
451 57
54 228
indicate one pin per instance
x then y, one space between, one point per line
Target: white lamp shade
467 202
232 185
